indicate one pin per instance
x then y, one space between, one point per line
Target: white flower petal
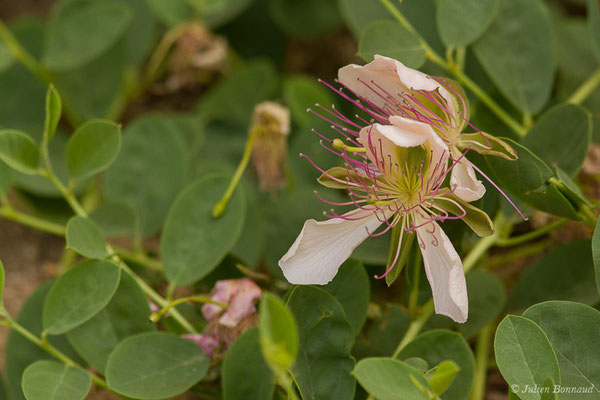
323 246
466 185
444 271
436 144
381 141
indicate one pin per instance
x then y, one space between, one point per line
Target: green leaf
80 294
527 179
572 330
358 14
150 170
115 219
5 178
488 144
278 333
1 283
93 147
593 18
487 299
525 356
517 52
352 289
477 219
142 33
171 12
127 314
393 40
85 238
193 242
301 92
307 18
19 151
443 376
155 365
51 380
440 345
234 98
390 379
53 112
252 241
240 382
218 13
20 352
322 369
384 333
548 279
79 31
561 137
462 22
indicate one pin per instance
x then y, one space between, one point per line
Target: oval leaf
461 22
572 329
127 314
240 382
391 39
322 369
193 242
80 294
155 365
51 380
19 151
308 18
53 112
525 356
390 379
92 148
278 333
85 238
80 31
517 52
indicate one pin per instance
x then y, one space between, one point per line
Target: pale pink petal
440 152
444 271
464 182
222 293
323 246
208 344
242 304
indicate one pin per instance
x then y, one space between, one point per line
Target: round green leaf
306 18
301 92
127 314
19 151
80 294
548 279
323 366
561 137
278 333
85 238
51 380
240 382
218 13
384 334
79 31
517 52
391 39
358 14
525 356
572 329
440 345
352 289
171 12
594 25
390 379
155 365
150 170
193 242
461 22
92 148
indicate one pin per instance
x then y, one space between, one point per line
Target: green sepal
463 110
442 376
342 174
477 219
499 147
407 241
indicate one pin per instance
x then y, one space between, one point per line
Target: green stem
45 345
221 205
22 55
586 88
513 241
414 293
155 317
518 252
139 258
33 222
457 72
484 338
